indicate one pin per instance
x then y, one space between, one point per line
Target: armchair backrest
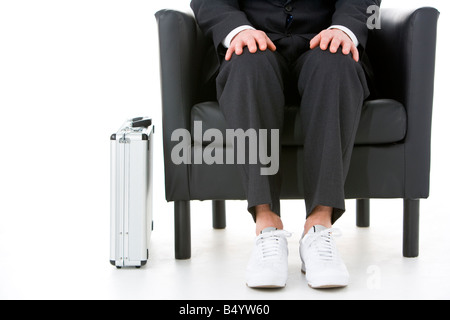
403 52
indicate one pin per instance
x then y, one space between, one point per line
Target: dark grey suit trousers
252 91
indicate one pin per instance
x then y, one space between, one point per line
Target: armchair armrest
181 46
403 55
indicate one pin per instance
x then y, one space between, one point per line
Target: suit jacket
217 18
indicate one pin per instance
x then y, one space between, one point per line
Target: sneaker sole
269 286
328 286
267 281
324 286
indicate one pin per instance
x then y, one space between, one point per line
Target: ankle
265 218
320 216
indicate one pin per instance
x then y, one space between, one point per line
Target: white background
70 73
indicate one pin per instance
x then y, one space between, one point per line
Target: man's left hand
333 39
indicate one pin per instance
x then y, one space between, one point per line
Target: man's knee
327 70
259 63
323 61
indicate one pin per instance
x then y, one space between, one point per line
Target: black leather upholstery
382 121
392 154
403 54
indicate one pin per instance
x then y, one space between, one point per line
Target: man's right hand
251 39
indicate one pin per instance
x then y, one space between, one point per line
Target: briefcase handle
141 122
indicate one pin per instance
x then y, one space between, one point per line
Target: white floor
73 263
66 86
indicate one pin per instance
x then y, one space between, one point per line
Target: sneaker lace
325 245
270 244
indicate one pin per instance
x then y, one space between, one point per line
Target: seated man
269 49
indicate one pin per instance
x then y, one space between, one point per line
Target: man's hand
251 39
335 38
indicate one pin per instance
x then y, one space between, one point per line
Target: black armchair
391 158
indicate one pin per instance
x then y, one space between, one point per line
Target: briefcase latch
124 139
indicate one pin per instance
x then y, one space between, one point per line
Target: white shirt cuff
227 41
348 32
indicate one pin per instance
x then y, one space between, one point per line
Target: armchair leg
219 214
411 215
182 230
363 213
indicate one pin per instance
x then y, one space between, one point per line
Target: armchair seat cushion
382 121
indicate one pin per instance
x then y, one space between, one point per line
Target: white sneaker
268 266
322 264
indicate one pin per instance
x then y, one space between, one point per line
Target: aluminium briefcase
131 193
